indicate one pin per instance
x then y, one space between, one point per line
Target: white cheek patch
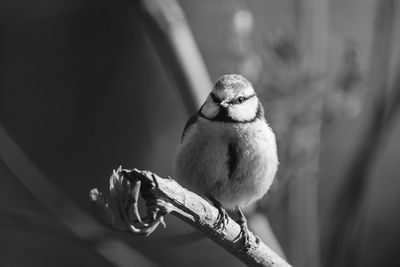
210 109
245 111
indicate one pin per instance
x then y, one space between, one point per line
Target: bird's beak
224 104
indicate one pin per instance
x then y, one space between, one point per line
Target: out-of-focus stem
174 43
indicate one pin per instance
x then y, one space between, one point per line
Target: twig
164 196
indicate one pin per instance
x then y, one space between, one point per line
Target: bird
228 151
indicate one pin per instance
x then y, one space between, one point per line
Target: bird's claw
244 232
222 219
223 216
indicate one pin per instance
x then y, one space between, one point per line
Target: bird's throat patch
223 115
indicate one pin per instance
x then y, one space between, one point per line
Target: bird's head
232 99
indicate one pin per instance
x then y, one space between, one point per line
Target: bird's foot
244 232
223 216
222 220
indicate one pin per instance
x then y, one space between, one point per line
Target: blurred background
86 86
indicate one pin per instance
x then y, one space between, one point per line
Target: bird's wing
189 123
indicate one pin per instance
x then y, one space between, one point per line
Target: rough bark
165 196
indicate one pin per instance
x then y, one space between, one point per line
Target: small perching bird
228 151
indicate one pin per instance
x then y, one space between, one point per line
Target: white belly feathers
233 162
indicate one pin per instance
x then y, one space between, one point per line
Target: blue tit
228 151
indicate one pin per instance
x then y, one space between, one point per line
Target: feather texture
227 150
202 161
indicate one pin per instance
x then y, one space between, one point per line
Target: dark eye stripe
236 100
215 98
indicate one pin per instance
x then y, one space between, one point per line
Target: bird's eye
240 99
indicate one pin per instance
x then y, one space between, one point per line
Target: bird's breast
234 162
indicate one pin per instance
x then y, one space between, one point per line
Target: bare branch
164 196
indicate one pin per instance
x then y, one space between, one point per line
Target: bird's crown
231 85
